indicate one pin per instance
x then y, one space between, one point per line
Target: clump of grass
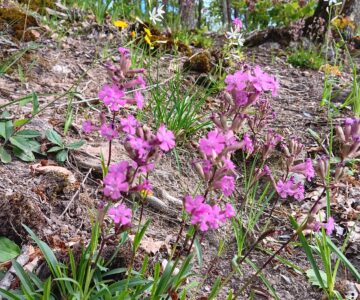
308 59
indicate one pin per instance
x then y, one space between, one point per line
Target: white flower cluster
235 37
156 14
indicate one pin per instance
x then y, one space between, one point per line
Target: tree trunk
315 26
200 8
351 9
187 13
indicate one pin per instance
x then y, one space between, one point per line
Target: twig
76 193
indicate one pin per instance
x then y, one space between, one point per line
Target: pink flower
290 188
330 226
112 96
166 138
108 132
263 81
237 23
144 186
237 81
139 99
247 144
139 145
141 82
87 127
120 214
227 185
305 168
124 51
214 143
129 124
191 204
115 182
229 211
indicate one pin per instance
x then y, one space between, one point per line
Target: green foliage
267 13
22 142
180 110
87 277
8 249
324 277
309 59
61 149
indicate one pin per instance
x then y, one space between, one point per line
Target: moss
199 63
17 21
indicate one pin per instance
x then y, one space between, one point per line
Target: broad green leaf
314 279
55 149
20 142
8 249
75 145
28 133
5 157
24 156
6 128
20 122
198 252
54 137
61 156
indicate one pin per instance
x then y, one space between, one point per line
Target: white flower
156 15
240 40
331 2
232 34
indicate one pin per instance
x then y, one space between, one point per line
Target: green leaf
20 142
28 133
5 157
311 274
55 149
198 252
35 103
75 145
25 100
215 288
24 278
343 259
61 156
20 122
8 249
24 156
6 128
54 137
308 252
8 295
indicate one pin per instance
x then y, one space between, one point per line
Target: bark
187 13
200 7
351 9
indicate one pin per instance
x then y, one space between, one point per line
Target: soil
57 210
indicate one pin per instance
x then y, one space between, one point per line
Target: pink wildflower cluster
205 215
245 86
143 147
349 136
237 23
114 95
329 226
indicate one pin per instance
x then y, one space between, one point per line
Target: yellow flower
343 22
133 34
147 40
146 193
148 32
330 70
121 24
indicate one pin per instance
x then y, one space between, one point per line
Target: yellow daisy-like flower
148 32
121 24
